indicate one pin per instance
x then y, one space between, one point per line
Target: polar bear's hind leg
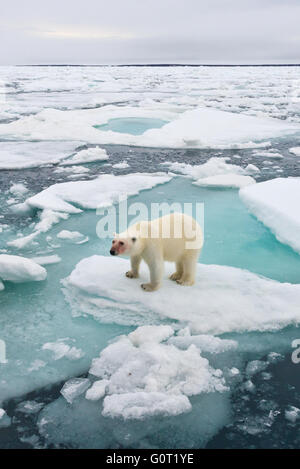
189 263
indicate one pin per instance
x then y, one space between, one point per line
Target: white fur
175 238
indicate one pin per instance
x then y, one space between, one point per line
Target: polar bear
175 238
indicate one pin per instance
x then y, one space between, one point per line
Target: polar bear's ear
133 239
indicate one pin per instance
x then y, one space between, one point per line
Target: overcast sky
149 31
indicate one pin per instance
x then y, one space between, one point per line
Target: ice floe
226 180
276 204
200 128
20 269
22 155
100 192
224 299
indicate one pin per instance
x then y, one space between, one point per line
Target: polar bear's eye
133 240
121 242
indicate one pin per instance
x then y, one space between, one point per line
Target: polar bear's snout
118 247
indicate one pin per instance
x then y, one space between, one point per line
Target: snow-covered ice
212 306
276 204
100 192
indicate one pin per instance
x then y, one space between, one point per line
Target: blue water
132 125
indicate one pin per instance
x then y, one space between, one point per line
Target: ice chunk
47 260
74 388
226 180
256 366
213 305
292 414
97 390
20 269
75 236
142 404
276 204
18 189
29 407
213 167
122 165
295 151
5 420
87 156
62 350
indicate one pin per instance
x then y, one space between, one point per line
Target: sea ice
276 204
98 286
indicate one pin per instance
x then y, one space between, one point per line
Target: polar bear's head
126 244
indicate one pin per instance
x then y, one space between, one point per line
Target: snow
103 191
276 204
295 151
98 286
74 388
202 127
20 269
89 155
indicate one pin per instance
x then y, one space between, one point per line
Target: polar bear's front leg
156 267
135 265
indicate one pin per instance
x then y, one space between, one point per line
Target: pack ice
224 299
276 204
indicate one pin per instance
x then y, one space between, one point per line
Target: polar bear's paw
176 276
149 287
131 274
186 283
